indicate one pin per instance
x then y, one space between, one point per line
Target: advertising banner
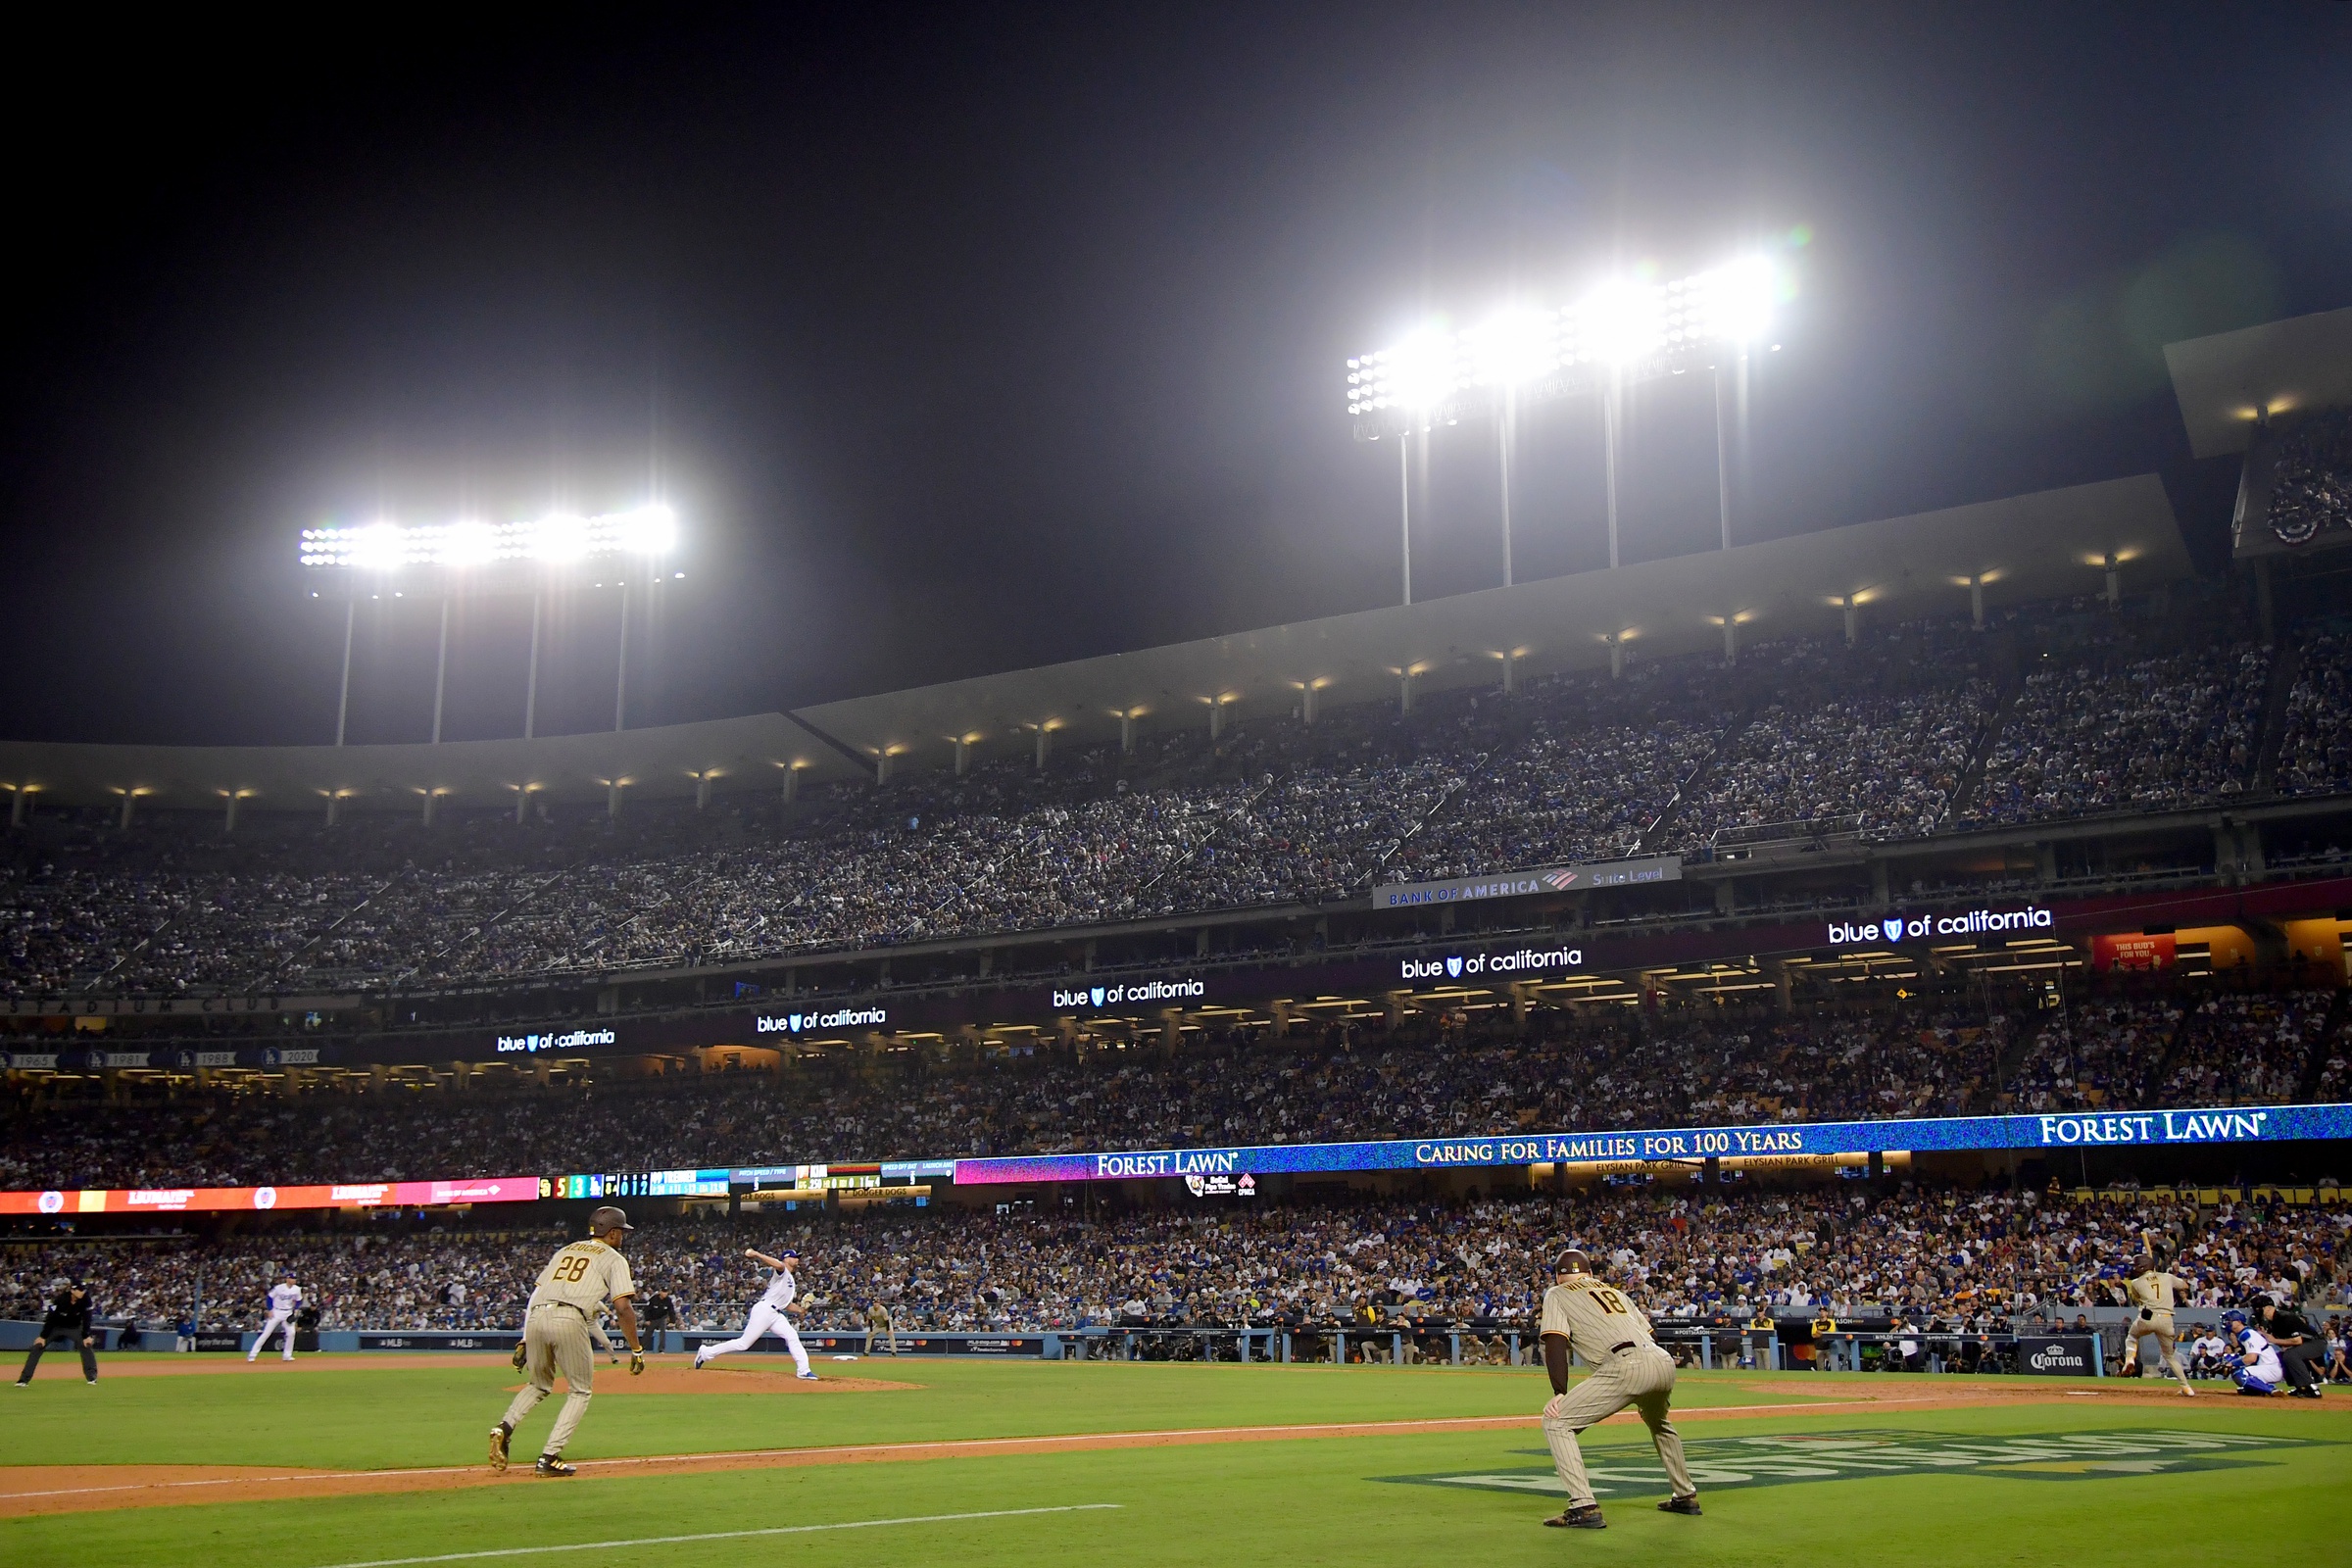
2065 1130
2058 1355
205 1200
1517 884
2133 951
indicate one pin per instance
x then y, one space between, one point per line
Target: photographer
68 1317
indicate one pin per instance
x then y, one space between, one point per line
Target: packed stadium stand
1967 1255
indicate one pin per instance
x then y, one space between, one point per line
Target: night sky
973 339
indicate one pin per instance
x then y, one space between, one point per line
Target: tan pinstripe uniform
576 1282
2156 1293
1609 1332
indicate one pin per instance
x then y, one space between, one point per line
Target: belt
1620 1349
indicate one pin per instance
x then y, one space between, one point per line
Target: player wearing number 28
1585 1317
576 1282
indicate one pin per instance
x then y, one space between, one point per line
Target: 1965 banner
2245 1124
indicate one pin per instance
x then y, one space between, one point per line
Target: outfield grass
1296 1502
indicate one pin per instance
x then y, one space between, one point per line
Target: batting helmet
1572 1261
608 1218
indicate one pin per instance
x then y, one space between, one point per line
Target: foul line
948 1447
728 1535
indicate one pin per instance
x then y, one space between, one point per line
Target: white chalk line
727 1535
939 1445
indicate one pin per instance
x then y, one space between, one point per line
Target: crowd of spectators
2315 747
2311 477
1572 1069
2158 732
1275 812
2004 1257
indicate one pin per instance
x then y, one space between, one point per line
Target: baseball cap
608 1218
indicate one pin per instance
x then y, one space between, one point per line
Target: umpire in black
68 1316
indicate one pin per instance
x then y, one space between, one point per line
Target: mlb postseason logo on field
1518 963
1912 928
793 1023
1134 994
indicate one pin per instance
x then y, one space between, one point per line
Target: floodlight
385 547
1512 347
1621 322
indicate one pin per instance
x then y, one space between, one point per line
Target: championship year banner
2069 1130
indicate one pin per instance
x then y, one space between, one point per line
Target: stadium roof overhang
2049 544
751 752
2053 542
2227 382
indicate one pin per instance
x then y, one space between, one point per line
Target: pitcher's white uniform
285 1299
767 1316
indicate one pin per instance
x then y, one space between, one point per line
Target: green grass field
2213 1481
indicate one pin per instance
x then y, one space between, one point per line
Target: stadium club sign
796 1023
1515 884
1514 964
2071 1130
1914 927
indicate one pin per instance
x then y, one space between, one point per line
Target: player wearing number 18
575 1283
1588 1318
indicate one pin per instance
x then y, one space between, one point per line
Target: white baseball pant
765 1320
277 1321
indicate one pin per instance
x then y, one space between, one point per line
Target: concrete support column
1975 603
130 799
1511 673
1216 717
1616 656
1045 746
228 823
16 807
523 800
1727 896
882 767
1404 692
2250 862
701 790
2224 849
1307 703
1201 943
612 801
2115 583
791 783
428 808
963 755
1853 620
1171 1030
1879 892
2045 861
333 802
1731 640
1127 734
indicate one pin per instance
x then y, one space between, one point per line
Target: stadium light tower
1620 332
508 557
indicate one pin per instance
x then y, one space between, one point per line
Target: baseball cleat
1689 1505
550 1465
497 1445
805 1377
1586 1518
